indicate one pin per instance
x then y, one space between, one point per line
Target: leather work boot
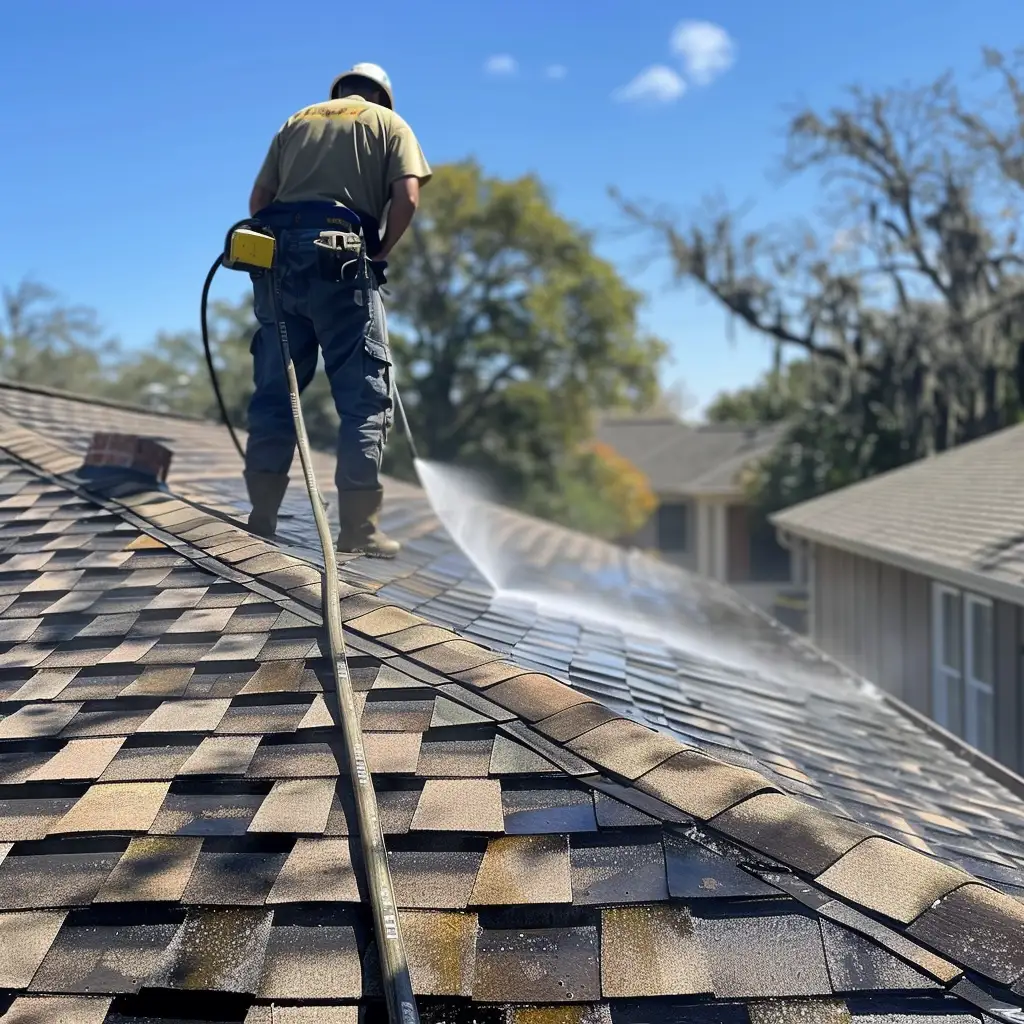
266 492
359 533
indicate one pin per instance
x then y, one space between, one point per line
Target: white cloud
656 84
705 48
556 71
501 64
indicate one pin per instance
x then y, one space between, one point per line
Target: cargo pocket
379 368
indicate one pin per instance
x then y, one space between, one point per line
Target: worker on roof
332 165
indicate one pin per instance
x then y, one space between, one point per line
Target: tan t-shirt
347 150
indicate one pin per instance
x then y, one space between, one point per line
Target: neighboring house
916 581
703 521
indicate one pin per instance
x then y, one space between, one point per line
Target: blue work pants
346 321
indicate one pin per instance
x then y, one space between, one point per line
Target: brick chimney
139 456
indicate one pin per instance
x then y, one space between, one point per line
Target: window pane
981 719
981 642
951 633
954 705
673 523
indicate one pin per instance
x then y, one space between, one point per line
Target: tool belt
345 235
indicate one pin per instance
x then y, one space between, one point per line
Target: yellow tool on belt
248 249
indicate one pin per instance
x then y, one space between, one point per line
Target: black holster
339 255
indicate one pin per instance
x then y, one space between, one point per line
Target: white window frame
942 674
973 686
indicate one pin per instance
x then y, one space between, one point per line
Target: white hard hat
374 73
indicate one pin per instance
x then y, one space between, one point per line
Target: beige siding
917 642
876 619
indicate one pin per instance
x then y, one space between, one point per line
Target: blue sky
135 119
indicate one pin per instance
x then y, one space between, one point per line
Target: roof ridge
938 908
100 400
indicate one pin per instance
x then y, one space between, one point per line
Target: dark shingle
538 965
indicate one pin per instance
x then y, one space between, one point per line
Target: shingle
206 814
791 831
442 951
24 819
821 1011
537 965
511 758
221 755
448 713
489 674
412 639
293 760
160 681
79 759
295 806
575 721
318 715
460 805
929 962
533 697
239 879
454 656
458 758
547 809
216 950
434 879
261 719
115 807
53 879
108 722
321 959
153 868
524 869
57 1010
625 748
612 813
979 928
186 716
317 869
619 872
276 677
46 684
36 720
700 785
856 964
142 764
651 951
764 957
890 879
102 959
395 753
382 621
695 872
25 939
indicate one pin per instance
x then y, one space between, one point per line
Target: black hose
214 380
394 964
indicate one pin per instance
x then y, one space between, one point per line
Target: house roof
957 514
688 460
690 817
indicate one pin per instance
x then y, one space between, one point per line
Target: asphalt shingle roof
958 511
585 823
678 458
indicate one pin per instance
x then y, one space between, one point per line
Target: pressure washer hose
398 993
